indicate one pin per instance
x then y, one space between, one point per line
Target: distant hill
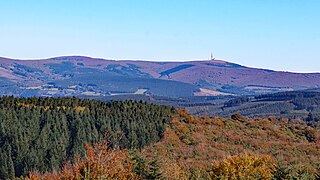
291 104
85 76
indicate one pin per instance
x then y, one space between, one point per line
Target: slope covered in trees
197 147
208 148
60 138
42 133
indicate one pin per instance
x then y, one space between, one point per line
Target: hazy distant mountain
84 76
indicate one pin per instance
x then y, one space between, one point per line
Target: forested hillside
196 147
64 138
42 133
207 148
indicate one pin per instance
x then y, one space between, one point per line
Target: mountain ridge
205 76
80 57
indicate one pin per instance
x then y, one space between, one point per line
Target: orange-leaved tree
100 162
244 166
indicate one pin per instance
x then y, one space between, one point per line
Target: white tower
212 57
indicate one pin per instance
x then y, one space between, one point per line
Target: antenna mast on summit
212 57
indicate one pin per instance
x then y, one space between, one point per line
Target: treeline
301 99
236 101
292 104
308 100
43 133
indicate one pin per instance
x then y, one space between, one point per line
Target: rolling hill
85 76
290 104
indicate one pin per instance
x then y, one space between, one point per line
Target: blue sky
274 34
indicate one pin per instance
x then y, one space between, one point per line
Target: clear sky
274 34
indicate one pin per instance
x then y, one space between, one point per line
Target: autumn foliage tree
100 162
244 166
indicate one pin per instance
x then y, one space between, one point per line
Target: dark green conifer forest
43 133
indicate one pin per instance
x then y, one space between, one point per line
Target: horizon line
148 60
